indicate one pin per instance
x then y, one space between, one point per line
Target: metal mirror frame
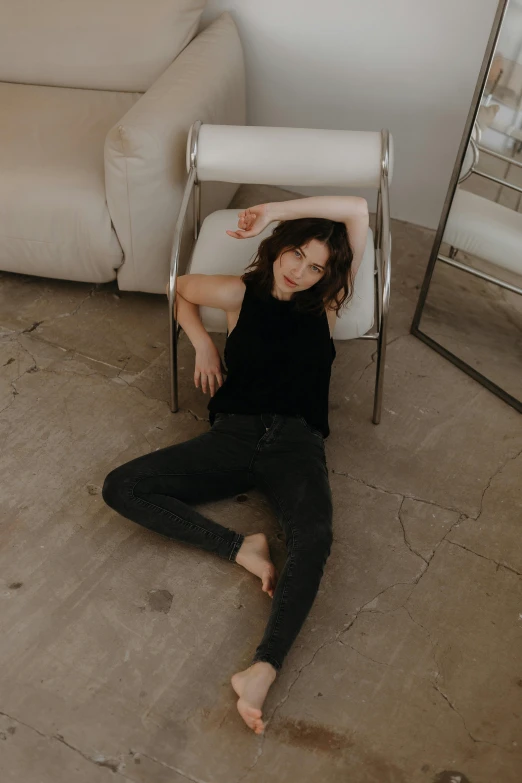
435 251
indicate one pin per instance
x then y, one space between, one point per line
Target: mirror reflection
472 312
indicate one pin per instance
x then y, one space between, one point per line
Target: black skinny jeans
280 455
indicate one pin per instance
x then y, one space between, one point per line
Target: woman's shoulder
237 292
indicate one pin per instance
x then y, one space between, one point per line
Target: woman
268 419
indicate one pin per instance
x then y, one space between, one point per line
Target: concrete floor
117 646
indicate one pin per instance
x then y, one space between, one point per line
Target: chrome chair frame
382 271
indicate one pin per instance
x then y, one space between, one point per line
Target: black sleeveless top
278 361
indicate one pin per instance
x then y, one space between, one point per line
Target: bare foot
252 686
254 555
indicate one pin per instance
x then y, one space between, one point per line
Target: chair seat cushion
486 230
54 220
216 253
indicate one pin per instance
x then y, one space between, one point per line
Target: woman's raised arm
350 210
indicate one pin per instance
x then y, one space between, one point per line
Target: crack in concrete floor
410 547
395 494
116 765
47 321
59 738
491 560
73 354
495 474
474 739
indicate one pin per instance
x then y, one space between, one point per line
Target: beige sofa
96 102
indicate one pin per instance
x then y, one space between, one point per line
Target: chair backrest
121 45
289 156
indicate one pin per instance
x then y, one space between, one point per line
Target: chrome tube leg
383 326
379 382
384 276
379 372
381 349
174 331
377 245
378 220
197 208
174 327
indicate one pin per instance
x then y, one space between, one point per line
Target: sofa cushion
54 220
116 45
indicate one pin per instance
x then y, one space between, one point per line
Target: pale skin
305 266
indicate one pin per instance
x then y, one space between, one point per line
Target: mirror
470 304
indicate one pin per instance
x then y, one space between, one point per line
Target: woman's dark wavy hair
334 288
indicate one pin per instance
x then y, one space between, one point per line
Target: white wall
408 65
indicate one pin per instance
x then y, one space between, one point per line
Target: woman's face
305 266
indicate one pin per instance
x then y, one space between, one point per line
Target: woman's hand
208 368
252 221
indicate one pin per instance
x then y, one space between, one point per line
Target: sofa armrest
145 170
